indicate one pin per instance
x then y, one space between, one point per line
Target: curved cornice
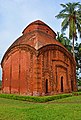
39 51
18 47
56 47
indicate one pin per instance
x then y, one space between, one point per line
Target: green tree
0 82
64 40
78 60
71 15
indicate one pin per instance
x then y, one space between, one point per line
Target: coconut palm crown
71 15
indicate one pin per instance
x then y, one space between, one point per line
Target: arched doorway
72 85
62 84
46 85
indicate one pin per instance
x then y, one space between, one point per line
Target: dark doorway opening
46 85
72 85
62 84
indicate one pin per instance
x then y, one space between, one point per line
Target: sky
15 15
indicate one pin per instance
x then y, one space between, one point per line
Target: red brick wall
38 25
36 64
24 73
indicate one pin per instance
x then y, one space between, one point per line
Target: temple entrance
46 85
62 84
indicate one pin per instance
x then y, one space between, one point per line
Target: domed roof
37 34
38 24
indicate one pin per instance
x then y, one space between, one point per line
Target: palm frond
61 15
64 24
71 15
63 11
63 5
65 21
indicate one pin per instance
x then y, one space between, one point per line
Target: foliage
76 93
0 82
79 90
64 41
34 98
71 15
62 109
77 49
79 82
40 99
78 60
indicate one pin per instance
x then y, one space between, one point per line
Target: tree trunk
73 47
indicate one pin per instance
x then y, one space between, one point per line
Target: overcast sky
15 15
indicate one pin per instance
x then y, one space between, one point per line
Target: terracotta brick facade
37 64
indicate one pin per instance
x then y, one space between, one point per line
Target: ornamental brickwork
36 64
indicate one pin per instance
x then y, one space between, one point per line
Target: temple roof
37 34
39 25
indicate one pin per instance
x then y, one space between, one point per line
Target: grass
62 109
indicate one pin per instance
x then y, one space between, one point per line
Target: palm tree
71 15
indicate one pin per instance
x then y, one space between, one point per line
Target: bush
79 90
41 99
34 98
76 93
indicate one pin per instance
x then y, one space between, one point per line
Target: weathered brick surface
37 64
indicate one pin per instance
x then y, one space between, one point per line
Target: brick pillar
19 72
43 84
37 77
31 73
2 79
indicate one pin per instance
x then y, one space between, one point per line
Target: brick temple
36 64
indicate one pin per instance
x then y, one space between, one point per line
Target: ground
63 109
